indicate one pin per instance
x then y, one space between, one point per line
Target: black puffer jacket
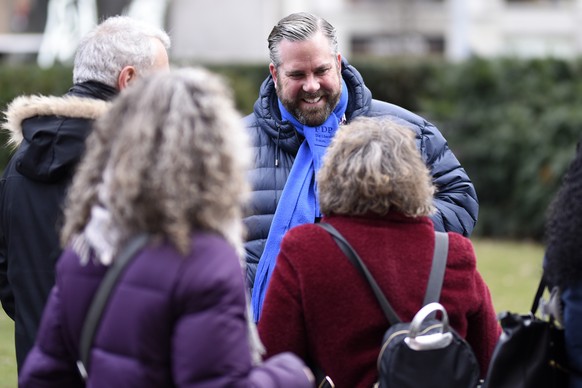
276 143
50 134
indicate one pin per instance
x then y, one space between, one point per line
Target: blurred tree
68 21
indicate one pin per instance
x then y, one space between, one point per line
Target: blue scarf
299 203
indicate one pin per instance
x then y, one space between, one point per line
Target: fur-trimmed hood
25 107
49 134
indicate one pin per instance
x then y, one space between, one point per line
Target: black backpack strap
435 280
439 265
100 299
539 292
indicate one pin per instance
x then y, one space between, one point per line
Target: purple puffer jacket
172 321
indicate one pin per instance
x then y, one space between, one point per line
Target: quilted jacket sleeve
455 200
49 363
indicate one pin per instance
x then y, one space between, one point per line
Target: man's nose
311 84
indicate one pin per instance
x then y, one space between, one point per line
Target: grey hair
298 27
173 155
117 42
373 166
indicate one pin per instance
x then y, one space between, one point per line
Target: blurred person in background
311 91
49 135
375 189
168 160
563 260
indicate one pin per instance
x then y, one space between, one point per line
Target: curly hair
173 155
373 166
563 264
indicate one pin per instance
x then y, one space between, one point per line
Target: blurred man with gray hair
49 135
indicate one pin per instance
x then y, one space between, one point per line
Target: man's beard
311 117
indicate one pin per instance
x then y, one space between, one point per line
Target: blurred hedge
513 124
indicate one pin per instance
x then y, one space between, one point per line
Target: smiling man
307 78
310 92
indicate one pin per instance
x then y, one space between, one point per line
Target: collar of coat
24 107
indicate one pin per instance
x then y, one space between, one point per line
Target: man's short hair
117 42
298 27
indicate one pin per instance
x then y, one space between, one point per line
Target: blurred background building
235 31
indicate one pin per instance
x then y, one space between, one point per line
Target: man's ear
126 76
273 71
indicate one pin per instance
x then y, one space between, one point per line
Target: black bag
531 351
426 352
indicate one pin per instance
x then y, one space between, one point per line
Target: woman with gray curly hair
376 191
168 160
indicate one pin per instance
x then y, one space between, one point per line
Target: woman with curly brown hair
563 260
169 160
377 192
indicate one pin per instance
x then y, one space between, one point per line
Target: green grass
511 269
7 356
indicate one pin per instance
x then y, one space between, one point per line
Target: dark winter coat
171 321
572 299
50 134
276 144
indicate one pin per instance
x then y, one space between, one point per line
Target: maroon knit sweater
319 307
